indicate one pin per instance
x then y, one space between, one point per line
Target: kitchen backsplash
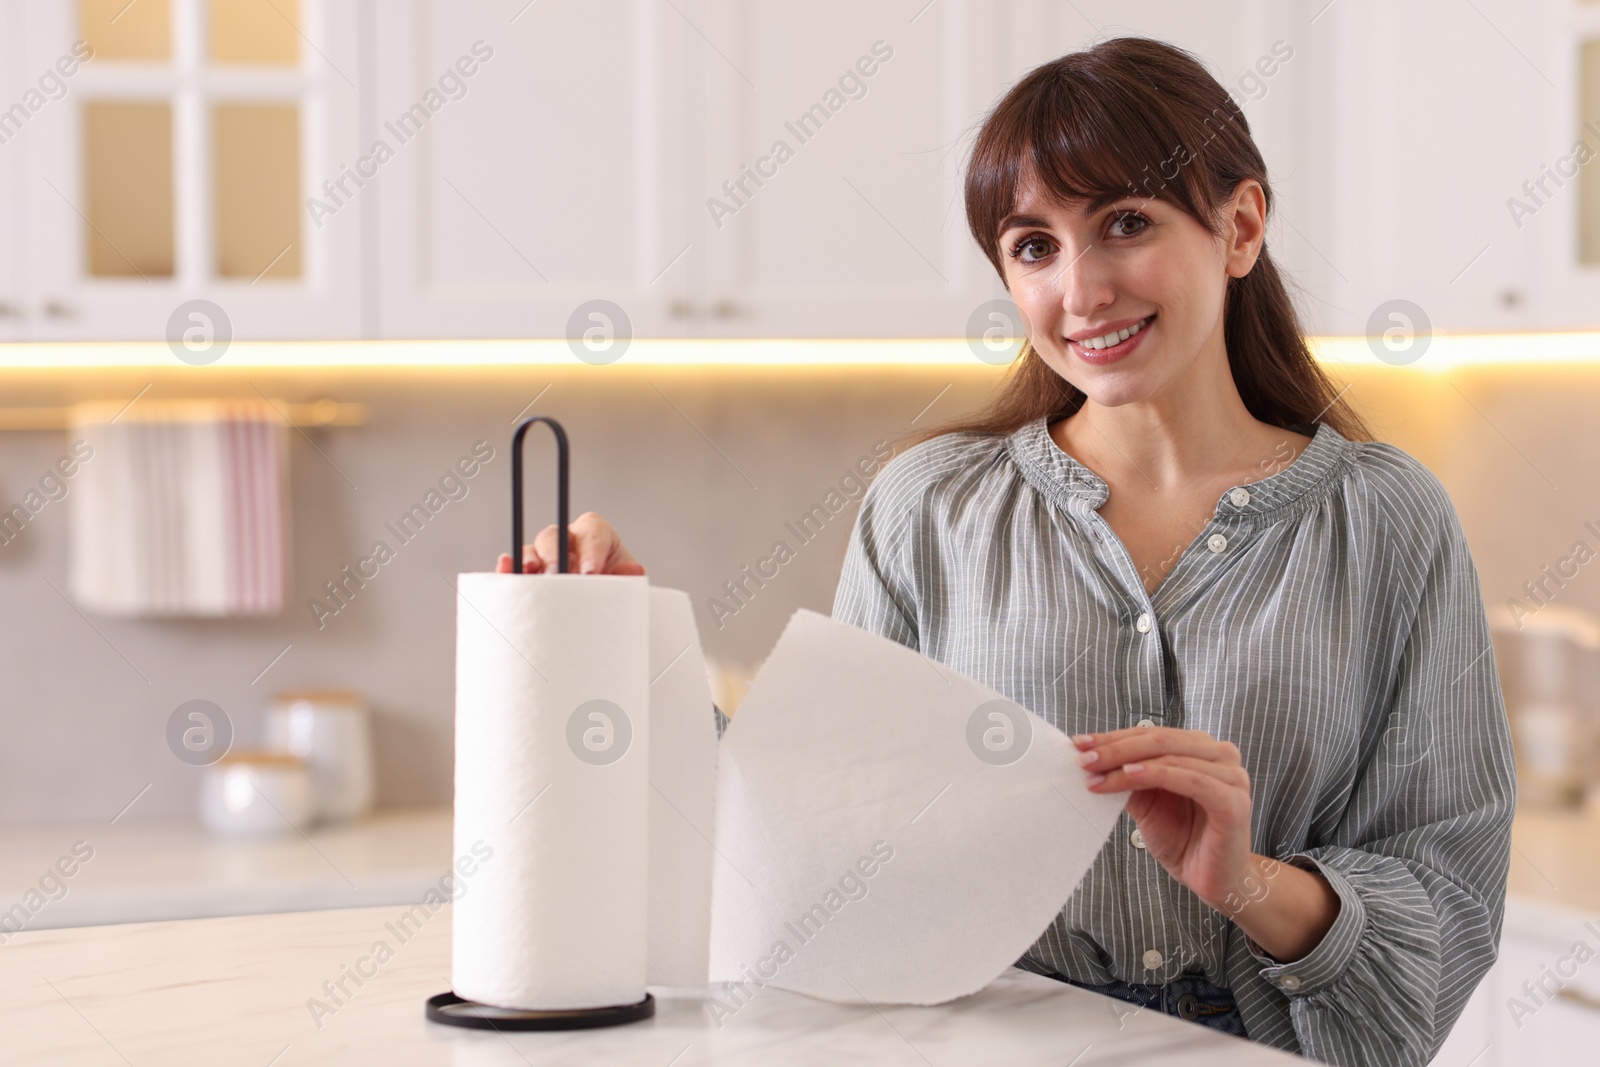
736 484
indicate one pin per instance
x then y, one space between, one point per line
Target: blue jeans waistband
1189 997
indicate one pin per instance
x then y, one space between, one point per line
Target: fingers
1145 742
593 547
1207 782
594 542
543 554
503 564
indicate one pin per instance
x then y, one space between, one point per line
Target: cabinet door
1559 210
1421 122
548 177
179 163
832 138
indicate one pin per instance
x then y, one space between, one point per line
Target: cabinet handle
8 311
681 309
725 309
55 309
1579 998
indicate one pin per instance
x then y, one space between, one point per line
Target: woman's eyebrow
1097 204
1011 222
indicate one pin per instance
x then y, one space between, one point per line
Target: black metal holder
451 1010
447 1008
516 491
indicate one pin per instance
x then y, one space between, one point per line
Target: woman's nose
1084 283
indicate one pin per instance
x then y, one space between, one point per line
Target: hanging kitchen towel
888 830
183 511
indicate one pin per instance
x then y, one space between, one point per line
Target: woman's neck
1191 432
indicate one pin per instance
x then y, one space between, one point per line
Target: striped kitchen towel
183 511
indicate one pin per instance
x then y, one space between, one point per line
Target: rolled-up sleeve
1420 855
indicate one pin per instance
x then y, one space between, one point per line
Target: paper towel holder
447 1007
561 492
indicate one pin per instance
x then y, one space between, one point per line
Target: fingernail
1096 779
1133 768
1083 739
587 567
1088 757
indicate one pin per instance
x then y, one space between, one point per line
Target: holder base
452 1010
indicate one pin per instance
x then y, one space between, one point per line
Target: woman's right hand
594 547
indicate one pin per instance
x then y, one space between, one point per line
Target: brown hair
1135 116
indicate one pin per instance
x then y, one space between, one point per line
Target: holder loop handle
561 491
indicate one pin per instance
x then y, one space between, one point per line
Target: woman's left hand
1191 799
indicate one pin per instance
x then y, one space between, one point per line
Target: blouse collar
1273 486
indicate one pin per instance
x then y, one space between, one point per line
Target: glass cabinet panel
139 30
257 175
127 149
254 31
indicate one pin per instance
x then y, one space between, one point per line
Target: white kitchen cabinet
600 154
828 185
1395 135
550 177
1419 121
747 169
176 164
1568 203
627 151
10 167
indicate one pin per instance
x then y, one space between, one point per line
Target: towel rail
316 414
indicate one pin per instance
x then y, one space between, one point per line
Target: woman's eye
1132 216
1032 250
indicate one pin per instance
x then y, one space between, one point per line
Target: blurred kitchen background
310 260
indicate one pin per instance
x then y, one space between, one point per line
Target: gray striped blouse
1328 620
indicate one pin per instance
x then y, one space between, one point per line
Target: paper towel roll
552 774
683 788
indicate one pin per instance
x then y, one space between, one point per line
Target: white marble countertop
236 990
175 869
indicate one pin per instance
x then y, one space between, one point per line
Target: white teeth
1114 338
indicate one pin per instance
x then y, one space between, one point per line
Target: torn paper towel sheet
683 777
887 829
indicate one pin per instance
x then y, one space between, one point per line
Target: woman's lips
1102 356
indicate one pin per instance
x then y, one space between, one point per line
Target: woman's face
1137 262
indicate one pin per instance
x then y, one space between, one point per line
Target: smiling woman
1171 537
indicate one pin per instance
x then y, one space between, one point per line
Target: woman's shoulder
935 465
1386 479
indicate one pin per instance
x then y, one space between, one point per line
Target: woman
1171 537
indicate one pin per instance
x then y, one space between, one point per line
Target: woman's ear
1245 219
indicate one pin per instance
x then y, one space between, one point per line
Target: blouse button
1289 982
1146 722
1142 623
1240 497
1152 959
1136 838
1216 542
